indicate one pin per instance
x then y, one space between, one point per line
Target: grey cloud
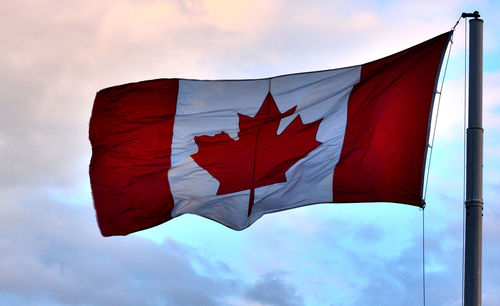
271 289
53 251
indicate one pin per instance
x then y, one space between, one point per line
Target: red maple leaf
260 156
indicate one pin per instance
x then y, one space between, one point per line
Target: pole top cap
475 15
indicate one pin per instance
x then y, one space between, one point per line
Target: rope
459 18
464 131
423 253
428 170
437 115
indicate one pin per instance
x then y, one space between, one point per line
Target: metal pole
474 178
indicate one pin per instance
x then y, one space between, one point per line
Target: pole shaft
474 177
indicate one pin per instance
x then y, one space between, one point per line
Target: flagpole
474 170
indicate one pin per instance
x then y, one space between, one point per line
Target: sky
55 55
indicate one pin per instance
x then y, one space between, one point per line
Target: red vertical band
131 132
383 154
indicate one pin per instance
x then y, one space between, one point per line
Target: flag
234 150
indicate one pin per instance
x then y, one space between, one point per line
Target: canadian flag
234 150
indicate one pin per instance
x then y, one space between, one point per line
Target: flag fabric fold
234 150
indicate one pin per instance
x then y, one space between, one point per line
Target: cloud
270 289
53 251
